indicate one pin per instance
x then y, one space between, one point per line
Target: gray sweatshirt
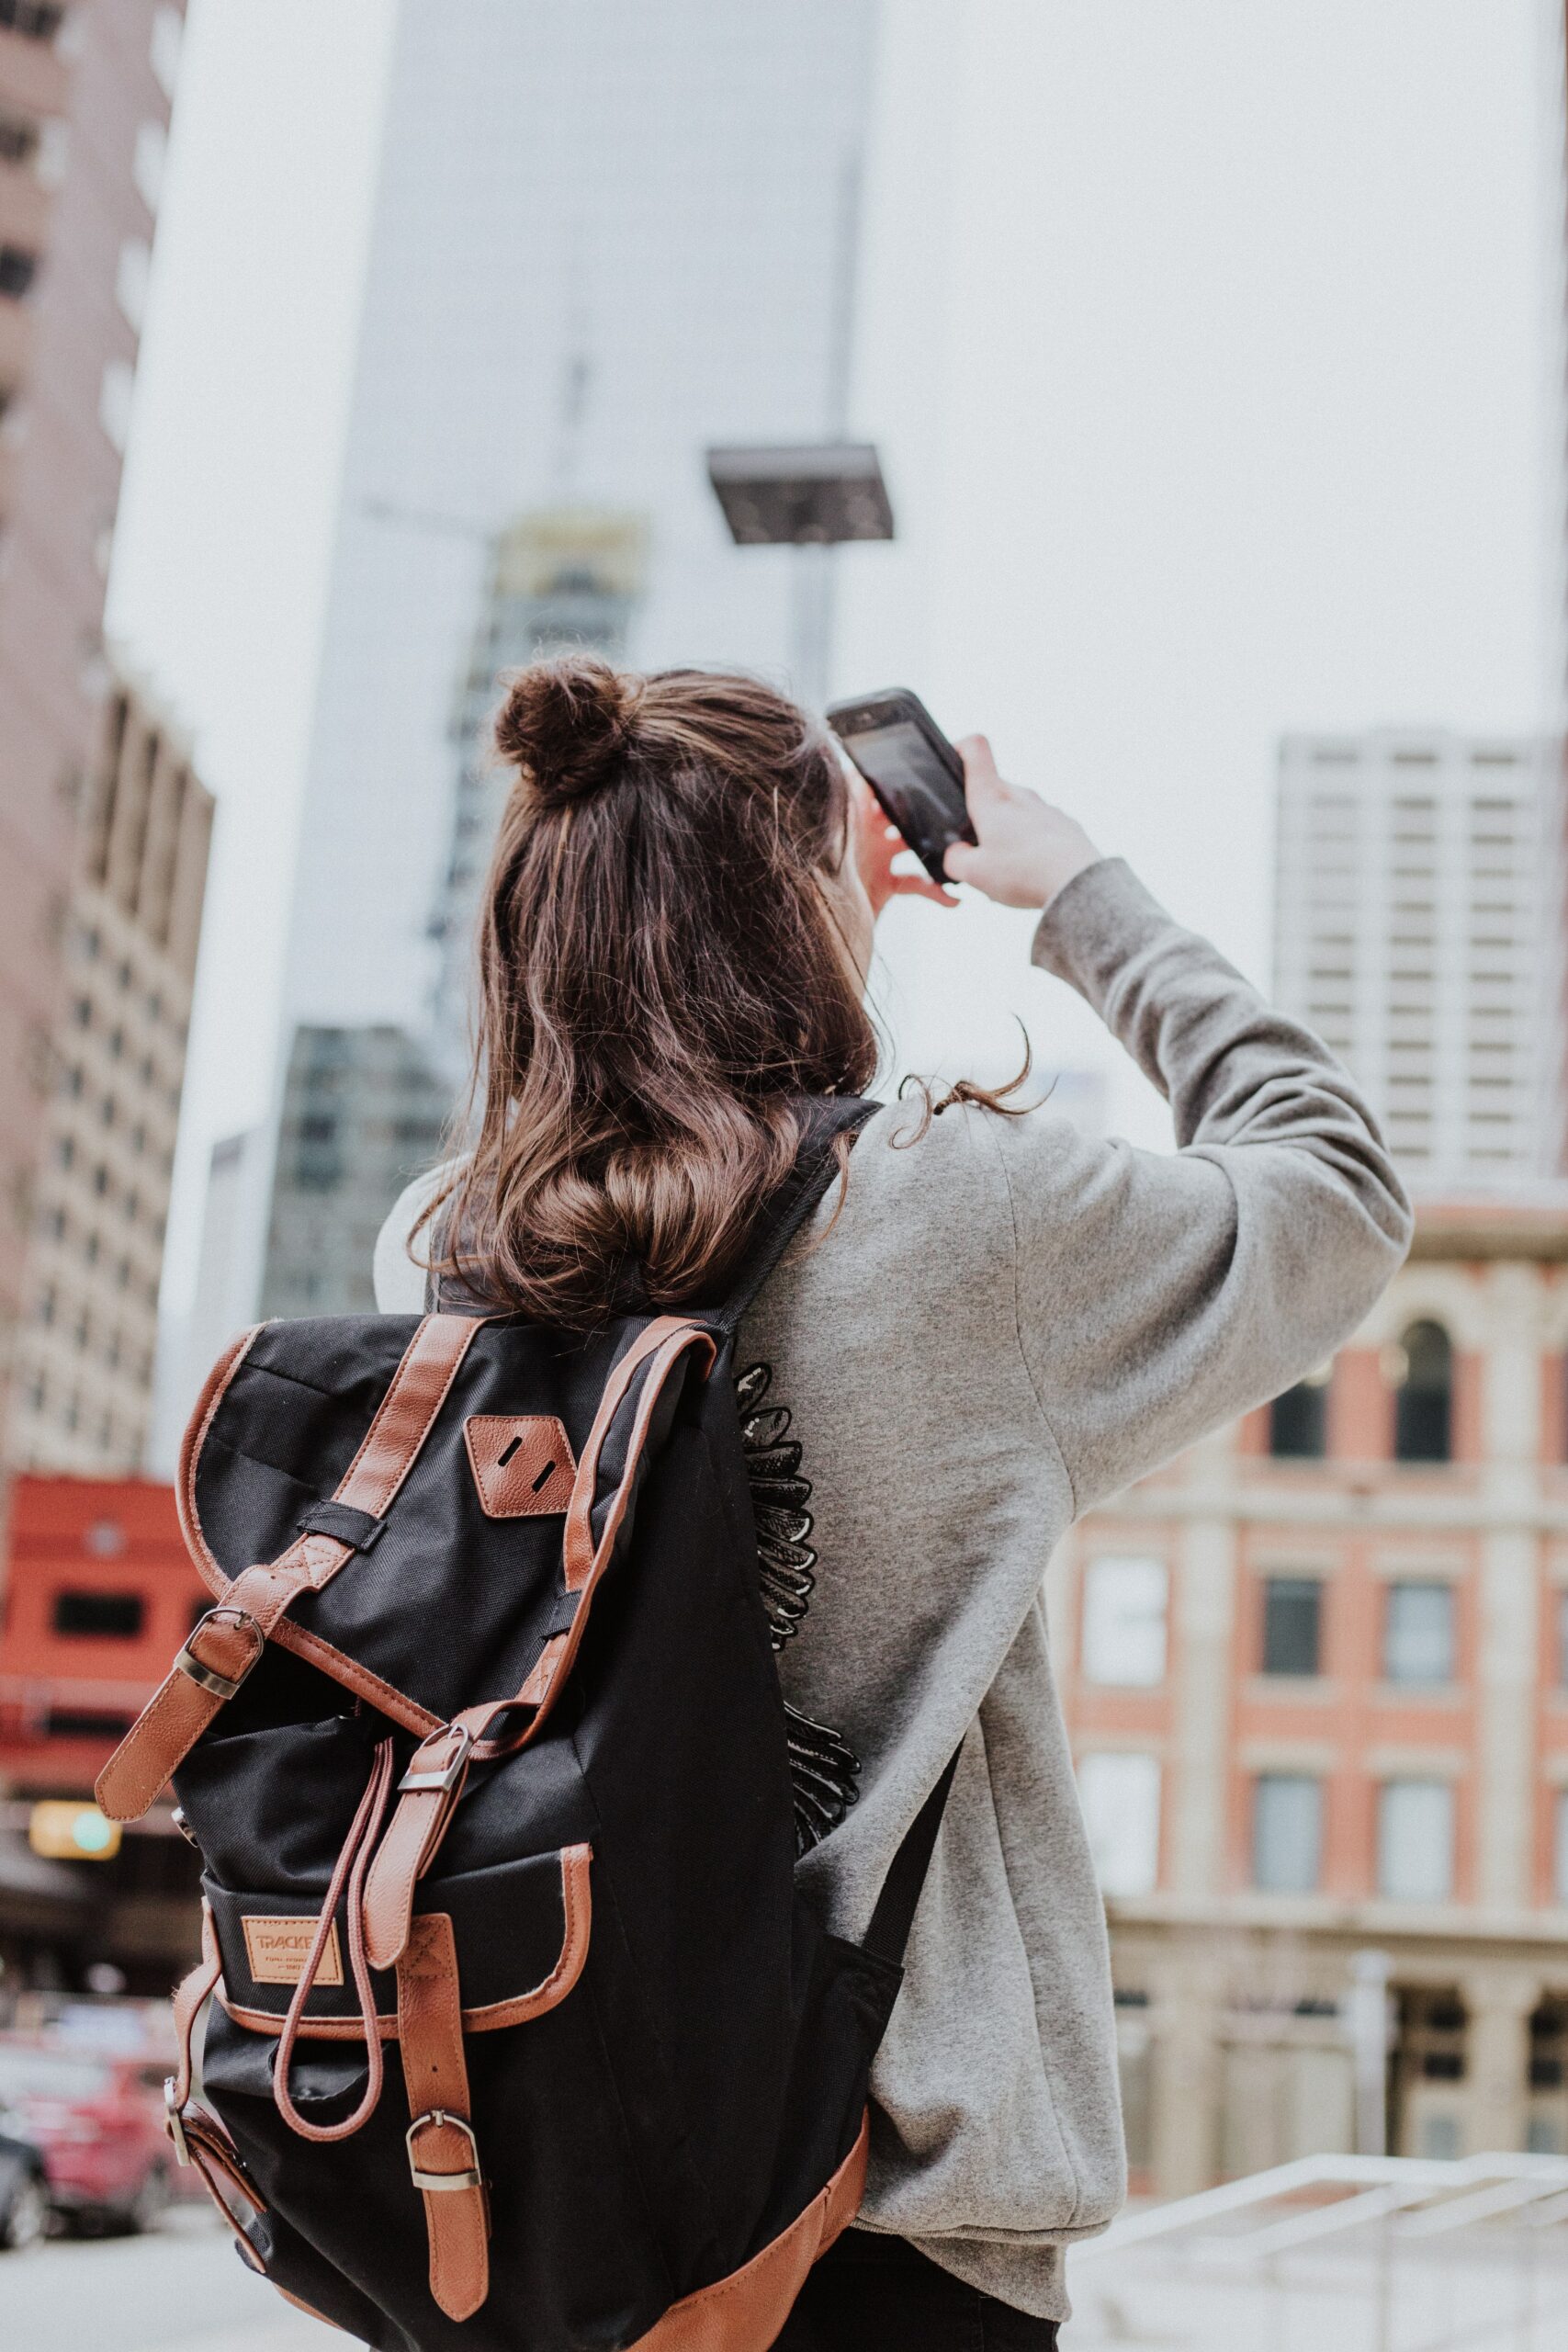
1008 1322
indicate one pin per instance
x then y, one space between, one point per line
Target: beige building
1315 1675
85 88
82 1393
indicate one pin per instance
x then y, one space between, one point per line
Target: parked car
24 2187
97 2118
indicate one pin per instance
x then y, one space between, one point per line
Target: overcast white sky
1212 347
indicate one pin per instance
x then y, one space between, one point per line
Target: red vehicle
98 2118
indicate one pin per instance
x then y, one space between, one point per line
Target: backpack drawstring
351 1865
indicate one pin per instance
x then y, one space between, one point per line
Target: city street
182 2289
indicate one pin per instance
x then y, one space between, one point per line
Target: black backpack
493 1784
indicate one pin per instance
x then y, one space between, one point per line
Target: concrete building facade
1418 923
1315 1675
84 97
82 1398
364 1110
605 238
563 579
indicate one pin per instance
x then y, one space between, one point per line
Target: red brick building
1316 1679
98 1595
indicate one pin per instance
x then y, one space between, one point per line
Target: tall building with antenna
605 239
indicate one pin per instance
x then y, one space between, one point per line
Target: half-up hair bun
566 723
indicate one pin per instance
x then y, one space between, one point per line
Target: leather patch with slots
278 1949
523 1464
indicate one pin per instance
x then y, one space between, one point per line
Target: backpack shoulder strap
824 1119
895 1913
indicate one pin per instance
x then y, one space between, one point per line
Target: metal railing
1393 2254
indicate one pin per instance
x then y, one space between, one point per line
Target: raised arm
1159 1295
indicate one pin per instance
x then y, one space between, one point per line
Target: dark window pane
119 1615
1297 1422
16 270
34 19
1424 1410
64 1722
1292 1611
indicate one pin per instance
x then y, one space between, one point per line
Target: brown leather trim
409 1845
195 1437
441 2142
394 1705
545 1683
745 2312
577 1543
180 1709
309 2309
190 1998
488 2017
407 1412
523 1464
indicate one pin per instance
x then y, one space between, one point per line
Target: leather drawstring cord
352 1865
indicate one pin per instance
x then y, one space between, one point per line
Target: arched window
1297 1421
1423 1428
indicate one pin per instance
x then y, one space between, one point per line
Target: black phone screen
914 783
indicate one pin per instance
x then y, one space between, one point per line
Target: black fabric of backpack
522 2040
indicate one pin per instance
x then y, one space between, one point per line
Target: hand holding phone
963 820
912 768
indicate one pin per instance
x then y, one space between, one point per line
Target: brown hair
660 980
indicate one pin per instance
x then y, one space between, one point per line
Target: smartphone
912 768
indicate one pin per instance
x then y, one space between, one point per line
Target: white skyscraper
1417 928
606 236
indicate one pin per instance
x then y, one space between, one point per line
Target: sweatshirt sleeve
1159 1295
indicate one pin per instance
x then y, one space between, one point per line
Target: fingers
960 857
982 784
921 885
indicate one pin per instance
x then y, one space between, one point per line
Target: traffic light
64 1831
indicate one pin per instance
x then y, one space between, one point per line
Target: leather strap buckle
433 1782
174 2122
207 1678
438 2181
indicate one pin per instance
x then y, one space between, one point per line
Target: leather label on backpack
523 1464
278 1949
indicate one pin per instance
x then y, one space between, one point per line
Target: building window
1120 1795
132 279
1424 1405
34 19
151 156
1297 1421
1287 1833
115 393
1292 1614
1419 1633
168 35
61 1723
113 1616
1416 1840
18 137
18 270
1124 1622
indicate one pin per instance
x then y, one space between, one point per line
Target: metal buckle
442 1783
173 2123
207 1678
438 2181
